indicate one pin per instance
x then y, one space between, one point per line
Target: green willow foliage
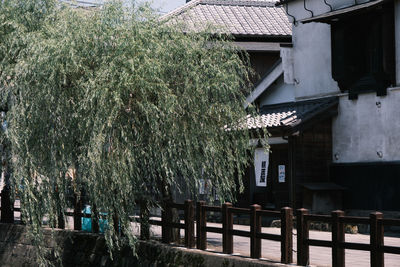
115 103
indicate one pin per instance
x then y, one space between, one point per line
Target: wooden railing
227 212
167 223
338 244
197 215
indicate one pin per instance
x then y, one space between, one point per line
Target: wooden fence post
166 217
200 223
338 259
77 212
286 235
303 250
227 226
376 239
61 220
95 222
144 221
116 223
7 206
189 224
255 228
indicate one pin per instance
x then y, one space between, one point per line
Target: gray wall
279 92
367 129
312 61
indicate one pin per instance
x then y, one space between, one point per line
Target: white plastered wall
312 61
367 129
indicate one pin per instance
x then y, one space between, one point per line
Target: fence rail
338 244
197 215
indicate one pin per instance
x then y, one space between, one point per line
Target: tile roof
238 17
290 114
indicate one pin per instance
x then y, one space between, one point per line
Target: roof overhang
345 12
319 115
282 2
259 46
289 118
82 3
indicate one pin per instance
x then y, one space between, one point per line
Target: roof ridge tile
265 3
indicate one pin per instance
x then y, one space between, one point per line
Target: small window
363 51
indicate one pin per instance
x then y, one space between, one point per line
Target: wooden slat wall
313 156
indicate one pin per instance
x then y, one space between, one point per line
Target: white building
339 105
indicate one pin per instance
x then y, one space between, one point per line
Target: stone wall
85 249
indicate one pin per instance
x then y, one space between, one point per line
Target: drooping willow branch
132 106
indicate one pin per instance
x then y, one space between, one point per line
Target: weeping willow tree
120 105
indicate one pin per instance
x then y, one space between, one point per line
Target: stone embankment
85 249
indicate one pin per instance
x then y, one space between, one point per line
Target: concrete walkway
319 256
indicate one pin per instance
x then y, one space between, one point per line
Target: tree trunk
144 220
7 206
168 197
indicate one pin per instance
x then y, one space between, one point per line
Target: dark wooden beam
292 171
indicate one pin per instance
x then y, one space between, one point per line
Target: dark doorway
278 174
276 194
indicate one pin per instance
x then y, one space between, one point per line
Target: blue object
87 222
4 126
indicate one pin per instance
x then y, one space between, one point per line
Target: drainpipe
292 172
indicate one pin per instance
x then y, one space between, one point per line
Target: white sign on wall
281 173
261 162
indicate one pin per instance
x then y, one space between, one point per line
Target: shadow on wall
371 186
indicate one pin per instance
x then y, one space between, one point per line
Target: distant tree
115 102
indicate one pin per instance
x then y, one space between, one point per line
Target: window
363 51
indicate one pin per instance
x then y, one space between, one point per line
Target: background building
258 27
